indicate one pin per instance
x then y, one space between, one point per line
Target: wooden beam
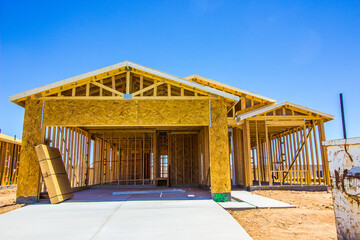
88 89
169 90
258 158
268 154
155 88
245 110
128 82
285 123
102 86
141 91
113 85
247 154
101 90
307 157
324 153
312 160
290 118
316 153
141 85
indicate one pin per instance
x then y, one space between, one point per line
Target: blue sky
306 52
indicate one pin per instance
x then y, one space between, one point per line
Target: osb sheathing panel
126 113
219 149
29 166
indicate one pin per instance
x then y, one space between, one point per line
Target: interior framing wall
9 162
184 162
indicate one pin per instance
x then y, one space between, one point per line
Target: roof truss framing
123 83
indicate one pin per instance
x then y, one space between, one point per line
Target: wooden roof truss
126 83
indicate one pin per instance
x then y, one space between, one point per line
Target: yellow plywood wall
29 171
219 149
126 113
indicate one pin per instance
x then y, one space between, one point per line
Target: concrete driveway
160 219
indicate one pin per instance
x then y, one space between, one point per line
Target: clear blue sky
305 52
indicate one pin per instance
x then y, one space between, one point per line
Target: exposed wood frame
102 86
148 88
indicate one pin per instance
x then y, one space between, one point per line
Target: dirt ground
7 200
313 217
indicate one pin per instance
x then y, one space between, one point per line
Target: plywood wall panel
29 170
219 149
126 113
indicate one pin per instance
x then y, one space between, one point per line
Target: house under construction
128 124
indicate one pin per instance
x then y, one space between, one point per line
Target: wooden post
288 155
128 82
154 156
268 154
135 160
169 90
324 153
87 178
119 162
155 88
127 160
316 153
258 154
307 156
296 172
113 85
299 157
88 89
141 84
247 153
312 158
143 156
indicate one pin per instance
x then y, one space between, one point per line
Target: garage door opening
131 158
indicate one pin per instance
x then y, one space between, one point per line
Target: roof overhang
28 93
268 108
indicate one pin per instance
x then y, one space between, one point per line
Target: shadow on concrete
105 194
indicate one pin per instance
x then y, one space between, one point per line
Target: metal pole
343 115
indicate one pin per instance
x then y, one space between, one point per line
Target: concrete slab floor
160 219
